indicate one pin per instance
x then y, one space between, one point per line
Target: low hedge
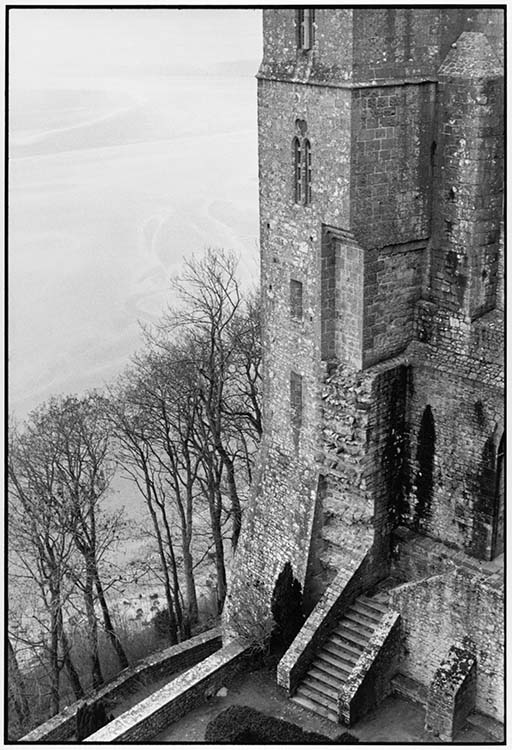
242 724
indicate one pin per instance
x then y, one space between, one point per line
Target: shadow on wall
487 538
425 476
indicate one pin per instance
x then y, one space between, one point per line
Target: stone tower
381 183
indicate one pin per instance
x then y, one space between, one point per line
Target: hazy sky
121 166
78 42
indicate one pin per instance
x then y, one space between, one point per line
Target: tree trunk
92 629
54 660
73 677
183 623
173 631
190 584
219 548
109 627
236 508
19 695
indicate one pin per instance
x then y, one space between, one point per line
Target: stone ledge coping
46 731
492 571
163 700
373 83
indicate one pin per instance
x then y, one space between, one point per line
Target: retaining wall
169 661
152 715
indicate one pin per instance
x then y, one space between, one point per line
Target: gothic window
296 299
305 28
297 165
301 165
307 171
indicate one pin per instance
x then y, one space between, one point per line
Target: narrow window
296 404
296 299
300 28
297 162
305 28
302 173
307 171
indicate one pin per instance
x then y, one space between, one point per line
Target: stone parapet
157 711
169 661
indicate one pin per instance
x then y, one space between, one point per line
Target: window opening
296 299
297 157
305 28
302 172
296 405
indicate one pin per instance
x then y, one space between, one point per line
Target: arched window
297 166
301 164
305 28
307 171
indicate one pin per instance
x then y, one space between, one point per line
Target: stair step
366 611
348 651
320 710
321 687
335 681
346 633
315 696
379 606
362 621
338 657
334 664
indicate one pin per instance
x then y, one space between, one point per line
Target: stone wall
169 661
459 507
444 609
362 45
391 163
276 530
393 278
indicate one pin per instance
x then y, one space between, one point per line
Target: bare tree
210 313
41 546
134 440
80 436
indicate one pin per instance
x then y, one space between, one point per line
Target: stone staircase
336 659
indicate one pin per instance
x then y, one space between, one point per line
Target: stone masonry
382 295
